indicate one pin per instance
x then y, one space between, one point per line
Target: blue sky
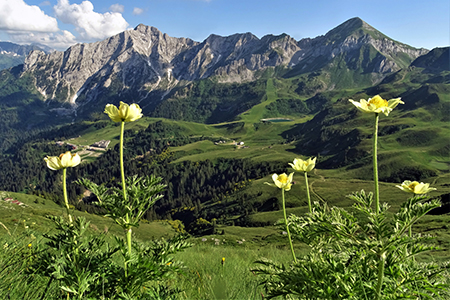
61 23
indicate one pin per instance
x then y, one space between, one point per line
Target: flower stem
375 165
307 193
124 187
380 276
287 227
129 231
66 200
122 170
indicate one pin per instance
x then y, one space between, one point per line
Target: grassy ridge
32 218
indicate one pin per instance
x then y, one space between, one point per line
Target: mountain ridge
146 64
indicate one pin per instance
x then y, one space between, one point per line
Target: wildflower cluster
284 182
362 254
84 265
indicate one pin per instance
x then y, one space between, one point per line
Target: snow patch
159 76
74 98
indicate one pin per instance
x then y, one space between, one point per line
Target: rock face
138 58
151 63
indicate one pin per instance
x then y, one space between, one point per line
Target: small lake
276 120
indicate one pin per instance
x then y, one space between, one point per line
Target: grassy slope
205 277
34 213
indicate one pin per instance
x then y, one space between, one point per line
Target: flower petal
65 159
134 113
76 160
123 110
113 113
53 162
394 102
276 181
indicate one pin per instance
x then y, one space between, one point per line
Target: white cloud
137 11
117 8
60 40
45 3
16 15
88 23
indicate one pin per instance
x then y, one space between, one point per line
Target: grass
207 278
256 113
204 276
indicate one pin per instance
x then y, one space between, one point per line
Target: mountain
437 59
13 54
150 67
352 54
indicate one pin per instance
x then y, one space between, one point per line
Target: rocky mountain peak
148 63
352 28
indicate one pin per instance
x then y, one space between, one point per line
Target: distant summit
354 26
14 54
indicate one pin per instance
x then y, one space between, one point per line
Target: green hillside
287 122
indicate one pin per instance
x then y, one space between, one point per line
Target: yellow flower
415 187
304 165
125 112
377 105
223 261
64 160
29 245
282 181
